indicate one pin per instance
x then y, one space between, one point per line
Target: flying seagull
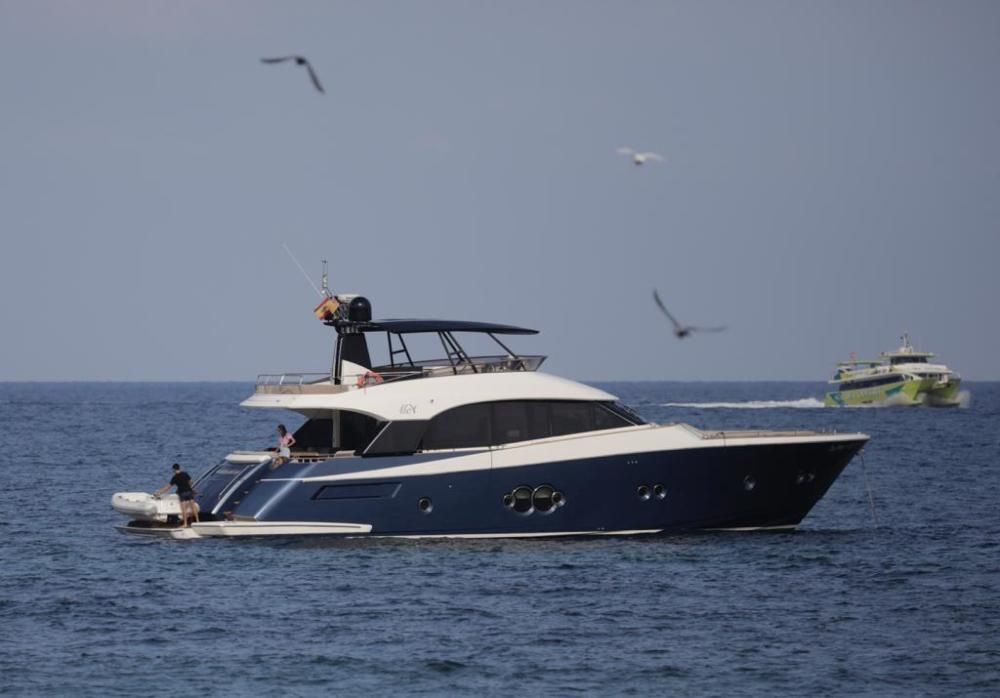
640 158
682 331
299 60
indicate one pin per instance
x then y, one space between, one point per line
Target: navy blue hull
758 486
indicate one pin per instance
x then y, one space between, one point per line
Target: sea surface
890 587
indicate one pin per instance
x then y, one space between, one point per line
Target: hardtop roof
401 326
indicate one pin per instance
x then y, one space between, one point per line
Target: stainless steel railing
297 382
322 382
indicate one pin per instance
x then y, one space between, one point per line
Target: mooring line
868 489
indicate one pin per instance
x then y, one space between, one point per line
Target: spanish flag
326 309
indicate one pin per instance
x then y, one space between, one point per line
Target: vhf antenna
318 292
325 283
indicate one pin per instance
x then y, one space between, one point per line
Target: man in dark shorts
185 492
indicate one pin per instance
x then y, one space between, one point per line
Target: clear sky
831 178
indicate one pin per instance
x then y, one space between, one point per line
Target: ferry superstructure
487 446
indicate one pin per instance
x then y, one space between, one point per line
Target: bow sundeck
486 446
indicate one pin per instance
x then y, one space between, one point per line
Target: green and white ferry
901 377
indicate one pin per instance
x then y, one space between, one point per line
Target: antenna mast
325 283
318 292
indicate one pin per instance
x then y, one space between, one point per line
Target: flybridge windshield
391 349
351 316
402 352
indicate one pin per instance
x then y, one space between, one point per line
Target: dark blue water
910 606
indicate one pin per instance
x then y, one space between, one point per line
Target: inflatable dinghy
146 507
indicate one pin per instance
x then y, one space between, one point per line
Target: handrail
323 382
293 378
761 433
524 362
298 382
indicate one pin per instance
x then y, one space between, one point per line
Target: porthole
541 498
749 483
522 500
526 500
642 492
659 491
425 505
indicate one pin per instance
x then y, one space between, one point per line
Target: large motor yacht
485 446
902 377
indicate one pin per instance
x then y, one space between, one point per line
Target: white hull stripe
238 529
740 529
558 534
276 528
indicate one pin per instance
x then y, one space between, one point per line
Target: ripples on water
840 607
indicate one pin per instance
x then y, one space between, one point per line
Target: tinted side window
538 420
462 427
571 417
628 416
520 420
604 418
397 438
510 422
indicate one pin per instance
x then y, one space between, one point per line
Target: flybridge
351 316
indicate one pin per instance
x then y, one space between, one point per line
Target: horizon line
28 381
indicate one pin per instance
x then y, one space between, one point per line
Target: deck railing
475 364
305 382
322 382
761 433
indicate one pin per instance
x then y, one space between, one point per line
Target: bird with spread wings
682 331
640 158
299 60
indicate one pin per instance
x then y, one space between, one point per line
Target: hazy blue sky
831 179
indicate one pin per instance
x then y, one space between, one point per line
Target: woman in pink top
285 443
